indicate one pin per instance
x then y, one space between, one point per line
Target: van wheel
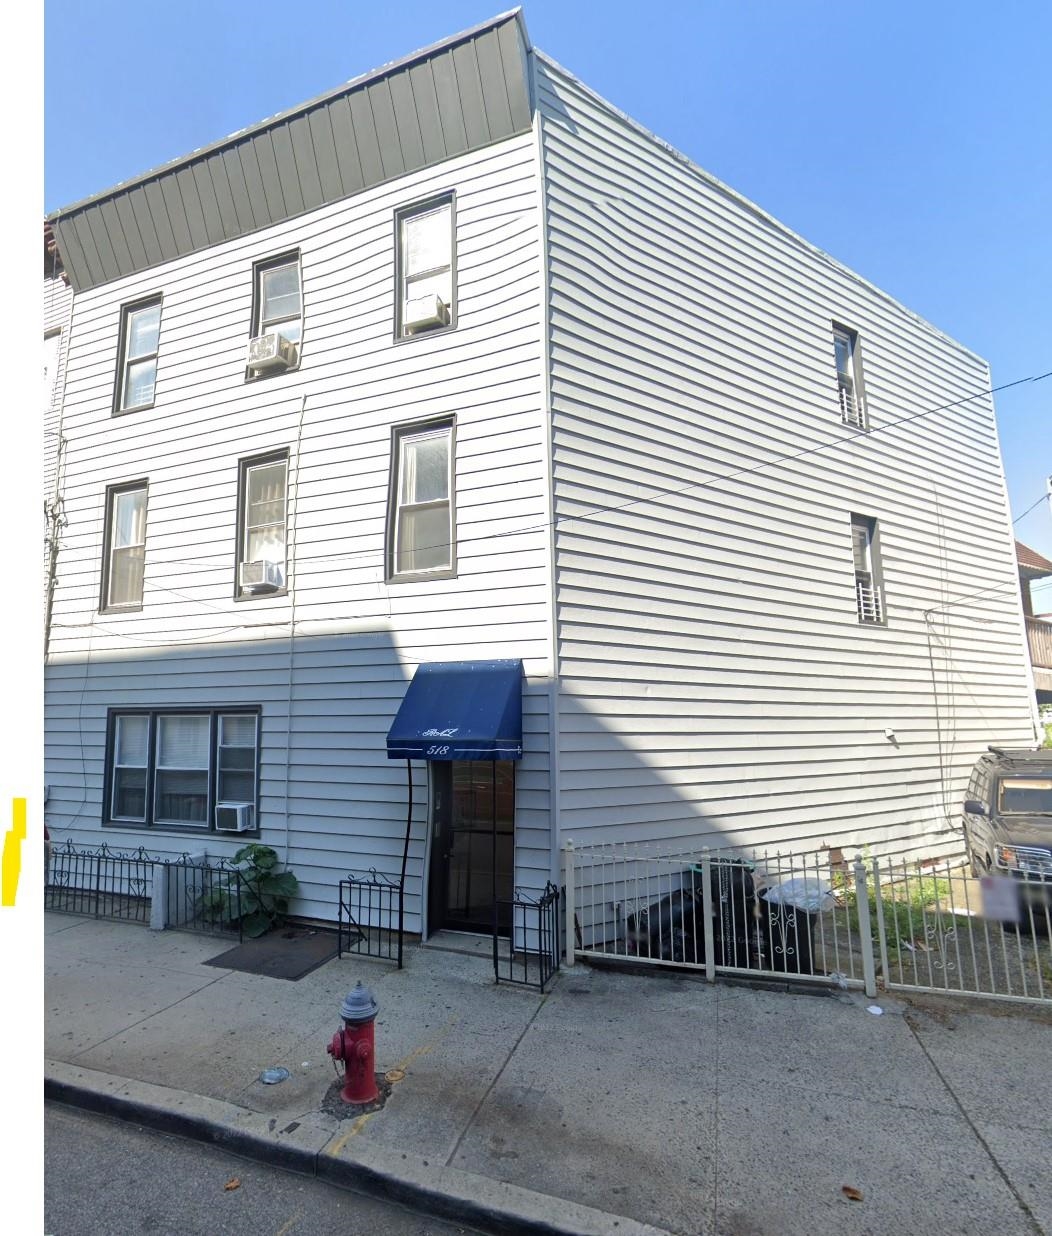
979 869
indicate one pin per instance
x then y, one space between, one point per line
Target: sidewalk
617 1105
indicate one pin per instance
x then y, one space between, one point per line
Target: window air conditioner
234 817
260 576
424 311
270 351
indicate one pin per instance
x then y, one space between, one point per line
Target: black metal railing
533 941
371 916
100 883
203 895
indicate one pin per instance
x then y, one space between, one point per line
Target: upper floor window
261 561
869 585
849 376
421 532
277 315
425 268
174 768
137 368
124 539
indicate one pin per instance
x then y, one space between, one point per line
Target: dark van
1008 818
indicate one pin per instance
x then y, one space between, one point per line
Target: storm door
473 843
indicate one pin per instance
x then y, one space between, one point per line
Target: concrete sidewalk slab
619 1098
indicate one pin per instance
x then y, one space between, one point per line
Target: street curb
319 1151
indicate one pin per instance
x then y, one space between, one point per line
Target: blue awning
460 710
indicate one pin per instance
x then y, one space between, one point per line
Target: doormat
288 953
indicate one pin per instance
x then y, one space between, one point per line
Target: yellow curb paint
12 859
401 1067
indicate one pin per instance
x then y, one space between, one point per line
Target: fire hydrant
355 1046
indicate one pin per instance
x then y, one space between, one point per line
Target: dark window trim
243 465
857 374
142 302
876 566
213 711
407 429
258 269
404 212
107 532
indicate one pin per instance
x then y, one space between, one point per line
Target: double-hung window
124 556
848 356
425 268
171 768
869 588
421 526
277 309
137 368
261 552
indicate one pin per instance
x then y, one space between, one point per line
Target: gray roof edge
299 109
755 210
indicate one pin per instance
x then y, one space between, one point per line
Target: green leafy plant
257 889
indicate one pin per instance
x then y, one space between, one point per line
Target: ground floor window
170 768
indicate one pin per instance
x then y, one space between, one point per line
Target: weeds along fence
371 917
188 892
815 917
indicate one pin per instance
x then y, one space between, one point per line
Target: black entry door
473 843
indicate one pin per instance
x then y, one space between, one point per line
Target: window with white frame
171 768
869 588
124 558
849 376
137 370
426 268
421 536
261 559
278 305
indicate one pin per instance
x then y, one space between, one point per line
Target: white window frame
404 216
113 494
128 314
850 391
403 437
116 767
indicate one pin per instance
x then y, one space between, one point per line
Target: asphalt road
106 1178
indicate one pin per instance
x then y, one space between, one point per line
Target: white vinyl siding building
533 474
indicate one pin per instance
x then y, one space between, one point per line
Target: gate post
707 915
865 926
571 936
882 934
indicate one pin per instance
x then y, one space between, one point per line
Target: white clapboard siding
330 799
715 684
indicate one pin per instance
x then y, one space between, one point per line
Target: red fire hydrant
355 1046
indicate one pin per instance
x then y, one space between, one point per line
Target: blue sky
908 138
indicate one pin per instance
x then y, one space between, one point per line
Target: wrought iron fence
190 892
925 925
203 895
371 916
533 951
100 882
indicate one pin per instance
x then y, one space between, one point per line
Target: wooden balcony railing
1039 636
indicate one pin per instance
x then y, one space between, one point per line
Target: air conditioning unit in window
424 311
234 817
262 576
270 351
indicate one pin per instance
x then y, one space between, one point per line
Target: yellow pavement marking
287 1227
12 859
401 1067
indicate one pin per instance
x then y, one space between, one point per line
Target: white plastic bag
803 893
